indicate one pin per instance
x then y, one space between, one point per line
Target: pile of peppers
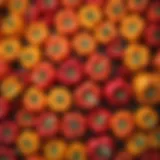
79 80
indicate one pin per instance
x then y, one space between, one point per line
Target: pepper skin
24 119
70 73
153 12
146 88
122 124
76 150
7 153
123 155
8 132
152 35
150 154
137 144
47 125
99 120
116 48
34 100
98 67
4 69
100 148
28 142
156 61
67 22
55 149
136 57
57 48
43 75
60 99
4 108
73 125
87 95
118 92
146 118
72 4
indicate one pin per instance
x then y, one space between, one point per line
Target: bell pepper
153 13
30 57
146 118
35 157
47 125
98 67
4 108
146 88
34 100
99 120
24 119
4 69
136 57
11 87
60 99
55 149
70 72
132 27
152 35
115 10
116 48
28 142
84 44
76 150
47 5
89 16
37 33
73 125
118 92
18 7
123 155
100 148
137 144
43 75
138 6
7 153
66 22
36 15
57 48
8 132
123 72
9 50
87 95
156 61
12 25
154 138
150 154
105 32
96 2
71 4
122 124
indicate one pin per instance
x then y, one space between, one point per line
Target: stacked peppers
79 79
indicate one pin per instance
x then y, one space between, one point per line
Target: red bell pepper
152 35
153 12
43 76
8 132
7 154
115 49
123 72
24 118
73 125
87 95
98 67
150 154
96 2
70 72
100 148
47 5
156 60
4 108
47 125
117 92
99 120
4 69
123 155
